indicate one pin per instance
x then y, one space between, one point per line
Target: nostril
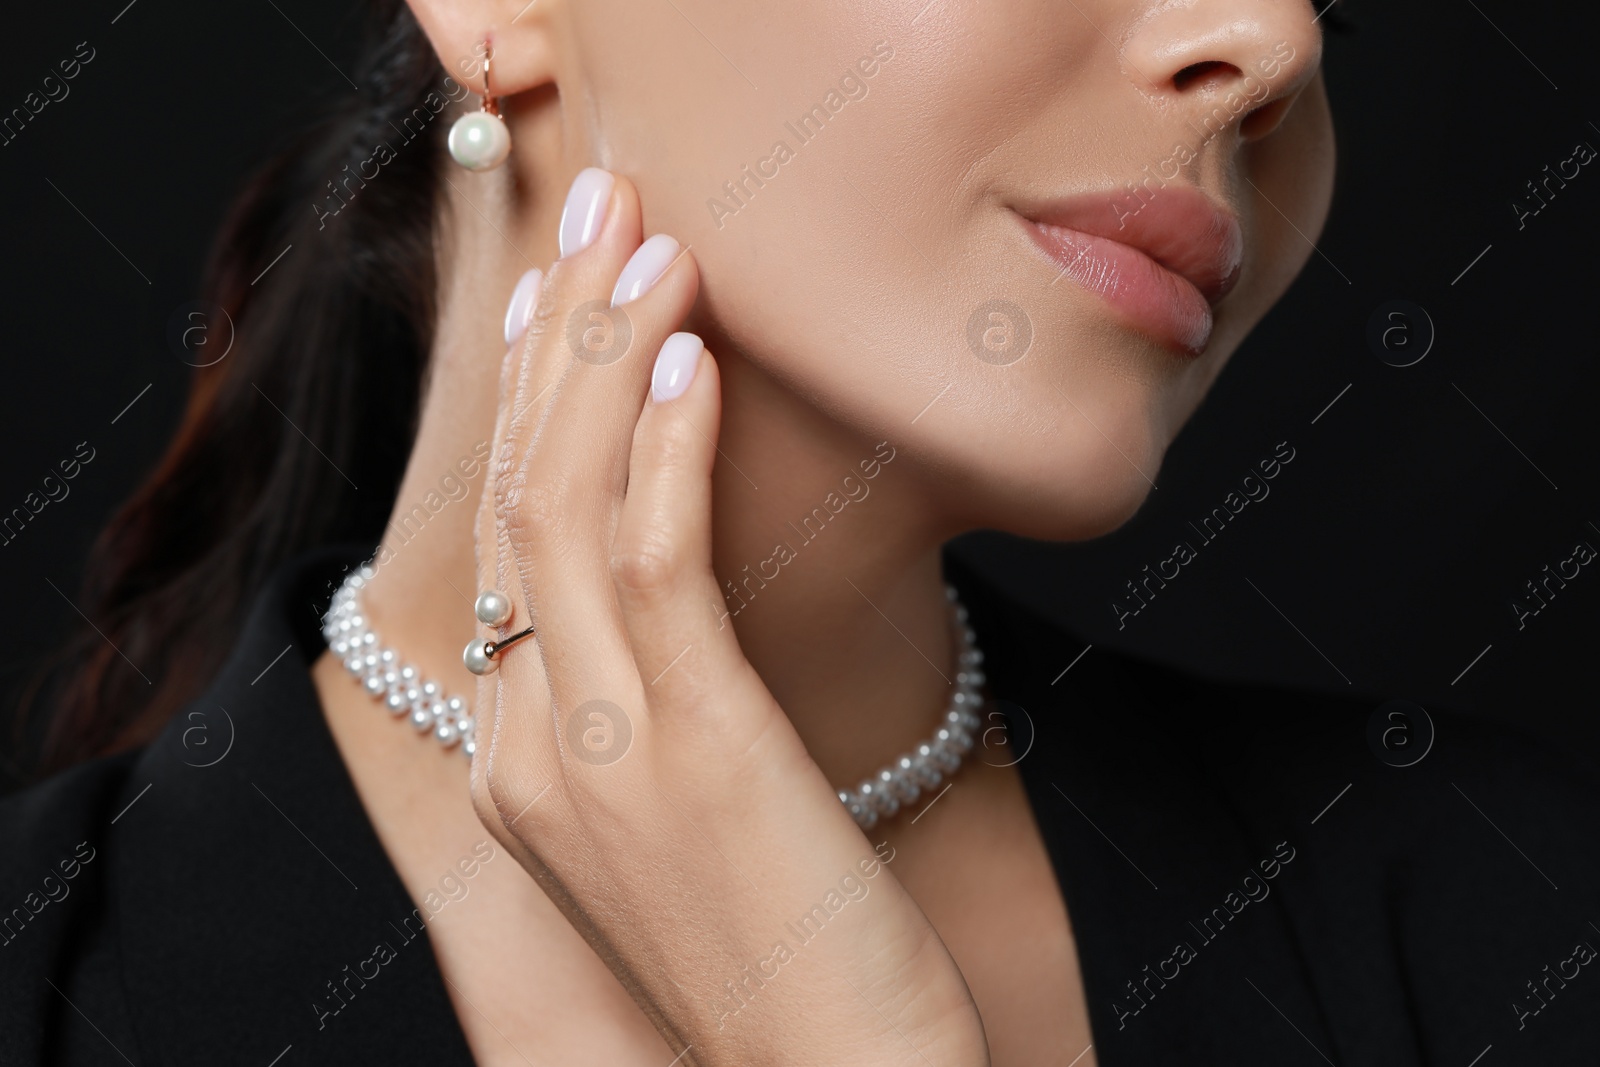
1198 72
1264 119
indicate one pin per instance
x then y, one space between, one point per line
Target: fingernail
644 268
524 298
585 209
675 365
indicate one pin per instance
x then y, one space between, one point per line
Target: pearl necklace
404 692
939 757
381 673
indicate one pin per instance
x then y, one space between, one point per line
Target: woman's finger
502 787
539 495
661 556
570 488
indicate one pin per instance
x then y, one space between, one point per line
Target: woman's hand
629 755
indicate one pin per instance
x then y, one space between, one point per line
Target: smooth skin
835 302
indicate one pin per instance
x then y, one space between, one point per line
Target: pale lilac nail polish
675 366
524 298
645 267
585 209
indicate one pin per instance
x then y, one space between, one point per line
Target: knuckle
645 568
676 449
484 792
683 445
495 793
501 798
533 509
510 478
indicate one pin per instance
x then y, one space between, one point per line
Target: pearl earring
480 140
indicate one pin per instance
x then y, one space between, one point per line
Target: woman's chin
1081 516
1058 471
1078 499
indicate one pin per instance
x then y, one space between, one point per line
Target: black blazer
1248 882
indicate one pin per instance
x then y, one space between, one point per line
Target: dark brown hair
330 347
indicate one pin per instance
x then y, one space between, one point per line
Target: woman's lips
1161 262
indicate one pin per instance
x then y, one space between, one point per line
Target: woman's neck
828 561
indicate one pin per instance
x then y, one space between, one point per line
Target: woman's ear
516 34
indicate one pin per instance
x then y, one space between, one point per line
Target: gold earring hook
490 105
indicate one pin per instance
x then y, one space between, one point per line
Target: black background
1383 562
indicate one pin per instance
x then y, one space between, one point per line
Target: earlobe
517 34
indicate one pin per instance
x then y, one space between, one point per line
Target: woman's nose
1227 64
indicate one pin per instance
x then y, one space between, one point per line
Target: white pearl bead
477 658
480 141
493 608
